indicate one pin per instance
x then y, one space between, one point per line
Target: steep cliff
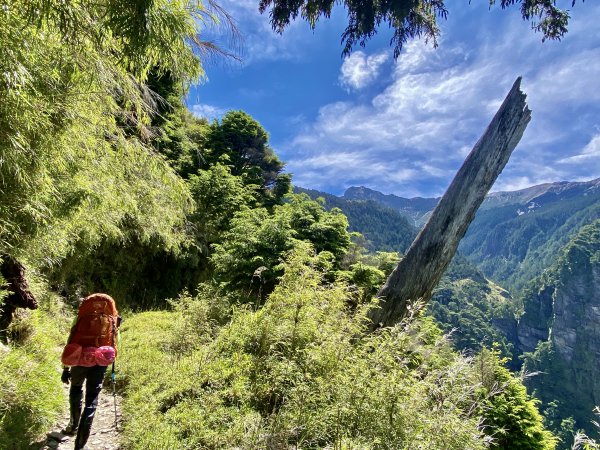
559 331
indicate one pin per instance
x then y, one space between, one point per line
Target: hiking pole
114 387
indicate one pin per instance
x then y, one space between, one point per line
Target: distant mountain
420 208
384 228
417 209
515 234
536 196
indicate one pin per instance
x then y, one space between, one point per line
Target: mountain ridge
515 234
417 207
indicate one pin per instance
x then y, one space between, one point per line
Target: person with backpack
91 348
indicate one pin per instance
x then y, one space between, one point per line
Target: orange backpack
97 322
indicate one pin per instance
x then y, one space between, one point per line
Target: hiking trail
105 432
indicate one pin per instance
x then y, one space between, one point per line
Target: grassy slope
296 373
31 393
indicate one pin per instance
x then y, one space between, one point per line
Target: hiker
90 349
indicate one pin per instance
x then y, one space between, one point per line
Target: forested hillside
475 311
417 209
538 245
559 330
515 235
383 228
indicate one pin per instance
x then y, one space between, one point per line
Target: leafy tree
364 272
249 256
281 187
383 228
384 261
76 72
246 145
365 279
408 18
511 416
218 196
175 132
326 230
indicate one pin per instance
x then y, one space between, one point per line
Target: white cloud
317 170
514 184
208 112
359 70
440 101
590 154
258 40
407 130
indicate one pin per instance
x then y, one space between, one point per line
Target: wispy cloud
258 40
590 154
359 70
413 134
208 112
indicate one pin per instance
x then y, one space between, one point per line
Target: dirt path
105 432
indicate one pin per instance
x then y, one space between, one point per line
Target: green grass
31 393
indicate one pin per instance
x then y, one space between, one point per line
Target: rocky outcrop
560 329
536 322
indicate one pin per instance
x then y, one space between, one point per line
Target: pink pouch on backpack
88 357
105 355
71 355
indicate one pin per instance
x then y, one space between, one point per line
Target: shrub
297 372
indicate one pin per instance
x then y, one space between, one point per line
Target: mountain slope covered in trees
515 235
545 233
383 228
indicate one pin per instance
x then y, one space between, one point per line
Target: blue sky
405 126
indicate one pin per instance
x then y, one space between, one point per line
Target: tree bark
417 274
19 294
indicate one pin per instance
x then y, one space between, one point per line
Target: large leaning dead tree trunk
420 270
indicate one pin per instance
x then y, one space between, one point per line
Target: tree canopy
74 115
246 144
407 18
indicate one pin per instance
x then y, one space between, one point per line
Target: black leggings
93 377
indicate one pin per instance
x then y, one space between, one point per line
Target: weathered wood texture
420 270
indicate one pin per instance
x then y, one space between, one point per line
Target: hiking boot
70 430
